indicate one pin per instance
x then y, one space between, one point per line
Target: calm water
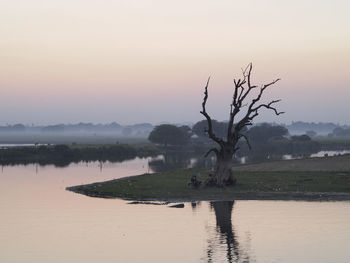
41 222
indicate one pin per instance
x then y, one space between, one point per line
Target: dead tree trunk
228 146
223 170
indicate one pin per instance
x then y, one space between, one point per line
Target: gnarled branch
252 111
214 150
206 115
268 106
239 94
242 88
246 139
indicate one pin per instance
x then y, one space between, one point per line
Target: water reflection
168 161
180 160
224 236
195 205
42 222
171 161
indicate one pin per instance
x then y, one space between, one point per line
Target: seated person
210 181
194 182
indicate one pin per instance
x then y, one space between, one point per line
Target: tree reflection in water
171 161
225 235
181 160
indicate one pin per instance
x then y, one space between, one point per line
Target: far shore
311 179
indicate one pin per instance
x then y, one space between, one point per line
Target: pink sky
147 61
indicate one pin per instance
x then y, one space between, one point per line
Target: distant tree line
138 130
264 137
323 128
13 128
62 155
144 129
340 133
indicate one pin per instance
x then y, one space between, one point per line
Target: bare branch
269 84
206 115
252 111
239 95
242 88
250 66
247 74
246 139
214 150
268 106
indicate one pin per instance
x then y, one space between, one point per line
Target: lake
42 222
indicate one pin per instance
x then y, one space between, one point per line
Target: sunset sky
148 61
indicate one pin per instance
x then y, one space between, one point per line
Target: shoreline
246 196
236 195
311 179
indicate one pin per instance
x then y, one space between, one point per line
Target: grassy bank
324 164
286 184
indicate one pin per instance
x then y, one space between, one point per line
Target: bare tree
228 147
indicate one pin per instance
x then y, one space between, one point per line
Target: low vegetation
62 155
333 143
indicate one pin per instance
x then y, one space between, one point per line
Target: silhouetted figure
210 181
194 182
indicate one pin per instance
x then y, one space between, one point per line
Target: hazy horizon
148 61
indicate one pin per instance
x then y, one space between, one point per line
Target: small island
310 179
